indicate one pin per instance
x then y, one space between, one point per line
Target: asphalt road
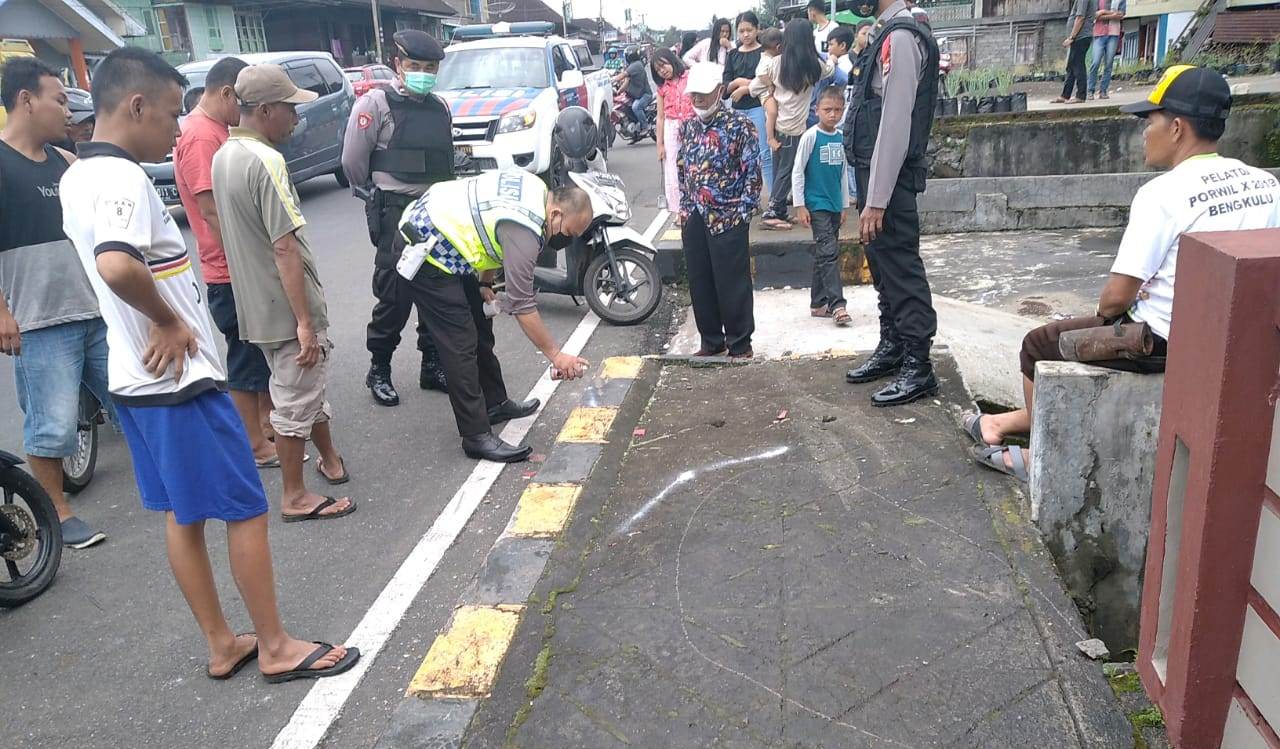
110 656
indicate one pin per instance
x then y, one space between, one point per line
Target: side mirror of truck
572 79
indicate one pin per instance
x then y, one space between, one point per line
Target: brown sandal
841 317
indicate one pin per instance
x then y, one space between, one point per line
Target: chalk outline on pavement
313 717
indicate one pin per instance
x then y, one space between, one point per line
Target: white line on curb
317 711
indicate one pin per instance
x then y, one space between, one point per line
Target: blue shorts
53 363
246 366
194 460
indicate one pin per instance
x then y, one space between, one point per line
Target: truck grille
476 131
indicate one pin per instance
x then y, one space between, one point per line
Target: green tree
670 37
768 12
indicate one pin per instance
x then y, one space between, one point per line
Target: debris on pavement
1095 649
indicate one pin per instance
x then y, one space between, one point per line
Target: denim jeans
766 154
637 108
54 362
783 161
1104 54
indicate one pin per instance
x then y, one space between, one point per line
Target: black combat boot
379 383
884 361
915 380
431 376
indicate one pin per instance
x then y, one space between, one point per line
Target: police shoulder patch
364 120
884 55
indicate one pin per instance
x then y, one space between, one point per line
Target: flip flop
304 671
776 224
992 456
274 461
819 312
315 514
344 478
244 661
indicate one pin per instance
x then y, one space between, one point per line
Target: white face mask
705 114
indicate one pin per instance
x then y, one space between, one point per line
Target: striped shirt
257 205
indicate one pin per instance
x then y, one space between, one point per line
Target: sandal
304 670
992 456
776 224
315 513
1059 100
972 426
344 478
245 660
819 312
841 317
274 461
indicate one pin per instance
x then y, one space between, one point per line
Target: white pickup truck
507 82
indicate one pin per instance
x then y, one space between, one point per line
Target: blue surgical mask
419 83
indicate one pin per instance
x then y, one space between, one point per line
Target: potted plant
985 90
951 88
968 102
1004 89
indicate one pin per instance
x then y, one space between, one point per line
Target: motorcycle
30 535
78 468
612 265
624 120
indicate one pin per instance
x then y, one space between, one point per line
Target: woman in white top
785 85
721 35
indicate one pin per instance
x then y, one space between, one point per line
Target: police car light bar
503 28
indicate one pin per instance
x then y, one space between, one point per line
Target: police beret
418 45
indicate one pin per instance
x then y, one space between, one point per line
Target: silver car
316 146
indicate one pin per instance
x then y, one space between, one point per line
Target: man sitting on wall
1186 115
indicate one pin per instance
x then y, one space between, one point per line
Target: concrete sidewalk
773 563
1127 92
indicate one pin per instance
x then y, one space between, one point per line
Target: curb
778 259
462 664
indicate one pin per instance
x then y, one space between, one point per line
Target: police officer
401 141
887 129
453 240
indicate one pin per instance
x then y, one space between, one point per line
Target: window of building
171 23
475 8
214 25
249 32
1025 47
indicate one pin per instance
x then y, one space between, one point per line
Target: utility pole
377 30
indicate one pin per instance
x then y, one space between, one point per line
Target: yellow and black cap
1187 91
412 44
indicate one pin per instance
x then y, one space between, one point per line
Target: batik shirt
719 167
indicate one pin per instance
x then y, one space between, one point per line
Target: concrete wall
1093 461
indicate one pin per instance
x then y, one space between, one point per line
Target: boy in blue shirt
821 194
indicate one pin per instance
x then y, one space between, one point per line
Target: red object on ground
1210 637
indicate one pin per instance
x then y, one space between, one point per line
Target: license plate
168 193
464 150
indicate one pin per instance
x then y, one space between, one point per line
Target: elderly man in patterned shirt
719 168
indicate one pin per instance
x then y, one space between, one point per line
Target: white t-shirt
109 205
1203 193
820 35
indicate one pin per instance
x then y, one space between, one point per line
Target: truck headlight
514 123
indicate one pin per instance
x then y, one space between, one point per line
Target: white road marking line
317 711
656 225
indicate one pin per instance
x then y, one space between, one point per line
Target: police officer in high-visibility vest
887 130
398 143
453 240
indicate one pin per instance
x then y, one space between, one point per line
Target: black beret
418 45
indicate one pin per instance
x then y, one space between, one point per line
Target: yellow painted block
672 235
588 424
621 367
544 509
464 660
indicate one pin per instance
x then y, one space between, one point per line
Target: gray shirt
1082 9
895 76
520 248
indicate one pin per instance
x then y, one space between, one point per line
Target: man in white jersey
191 456
1186 115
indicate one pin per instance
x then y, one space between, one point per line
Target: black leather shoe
487 446
379 383
915 381
884 361
431 376
509 409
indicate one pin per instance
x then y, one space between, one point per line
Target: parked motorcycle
612 265
78 468
624 121
30 535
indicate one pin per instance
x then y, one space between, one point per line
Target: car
368 77
316 146
506 83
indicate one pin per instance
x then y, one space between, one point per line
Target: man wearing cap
1185 117
719 167
401 141
280 304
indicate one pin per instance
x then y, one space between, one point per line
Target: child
771 41
673 109
838 43
821 194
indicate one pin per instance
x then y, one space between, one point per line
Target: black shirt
637 80
30 213
742 65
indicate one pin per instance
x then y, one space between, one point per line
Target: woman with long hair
688 40
673 109
720 40
785 84
739 68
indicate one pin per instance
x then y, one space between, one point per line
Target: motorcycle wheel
28 507
602 294
78 468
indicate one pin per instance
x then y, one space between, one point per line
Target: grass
1148 718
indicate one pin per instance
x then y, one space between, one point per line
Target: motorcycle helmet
576 134
633 54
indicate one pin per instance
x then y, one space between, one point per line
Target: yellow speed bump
588 424
621 367
544 509
464 660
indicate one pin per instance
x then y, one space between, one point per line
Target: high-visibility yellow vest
467 213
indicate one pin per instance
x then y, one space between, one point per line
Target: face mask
705 114
559 240
419 83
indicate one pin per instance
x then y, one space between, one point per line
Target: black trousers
463 336
905 301
392 309
719 268
1077 76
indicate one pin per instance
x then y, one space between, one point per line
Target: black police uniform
908 321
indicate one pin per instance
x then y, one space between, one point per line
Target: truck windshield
494 67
